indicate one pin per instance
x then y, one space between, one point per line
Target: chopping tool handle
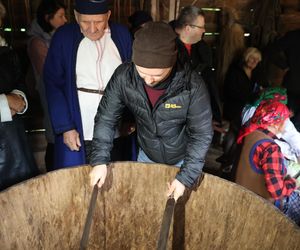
165 225
89 219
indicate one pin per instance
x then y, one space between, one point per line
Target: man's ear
108 15
47 18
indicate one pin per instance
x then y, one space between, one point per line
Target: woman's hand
16 103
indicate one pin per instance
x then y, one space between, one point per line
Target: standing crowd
152 92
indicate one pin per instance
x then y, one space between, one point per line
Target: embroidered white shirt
96 62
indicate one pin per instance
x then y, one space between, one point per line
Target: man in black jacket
170 104
192 49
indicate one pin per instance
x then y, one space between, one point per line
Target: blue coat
61 90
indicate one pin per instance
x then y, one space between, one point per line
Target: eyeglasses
196 26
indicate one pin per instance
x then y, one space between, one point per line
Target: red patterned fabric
269 158
268 113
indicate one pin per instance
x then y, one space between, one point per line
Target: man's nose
149 79
93 28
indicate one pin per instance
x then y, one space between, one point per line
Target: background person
138 19
50 16
192 49
261 166
16 159
242 86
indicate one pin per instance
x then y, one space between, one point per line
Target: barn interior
261 23
230 25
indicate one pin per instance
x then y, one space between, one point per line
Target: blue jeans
142 157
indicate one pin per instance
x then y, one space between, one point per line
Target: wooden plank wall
213 8
21 12
289 18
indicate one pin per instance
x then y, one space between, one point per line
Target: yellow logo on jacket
172 106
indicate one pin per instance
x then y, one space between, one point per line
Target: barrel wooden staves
48 212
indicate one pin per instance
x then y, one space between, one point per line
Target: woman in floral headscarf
261 167
290 145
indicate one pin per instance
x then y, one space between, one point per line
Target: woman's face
58 19
282 126
279 128
252 61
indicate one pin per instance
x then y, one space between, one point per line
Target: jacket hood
35 30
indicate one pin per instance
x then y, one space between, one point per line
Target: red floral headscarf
268 113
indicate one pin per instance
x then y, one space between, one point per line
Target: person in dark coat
80 61
138 19
242 86
289 45
50 16
16 159
192 49
170 104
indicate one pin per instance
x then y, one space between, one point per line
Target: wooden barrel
49 212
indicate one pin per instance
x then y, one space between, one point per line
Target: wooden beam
177 8
27 12
125 8
142 5
172 10
155 9
69 9
119 10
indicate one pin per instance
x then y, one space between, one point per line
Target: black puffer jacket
16 159
177 128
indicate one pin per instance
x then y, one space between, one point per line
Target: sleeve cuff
5 113
19 92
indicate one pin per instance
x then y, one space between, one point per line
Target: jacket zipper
160 101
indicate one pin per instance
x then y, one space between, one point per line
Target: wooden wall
247 11
21 12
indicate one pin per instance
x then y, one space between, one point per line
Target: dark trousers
294 105
49 157
124 149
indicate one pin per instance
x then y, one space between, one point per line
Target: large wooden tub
49 212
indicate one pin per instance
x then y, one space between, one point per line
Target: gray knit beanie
154 46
